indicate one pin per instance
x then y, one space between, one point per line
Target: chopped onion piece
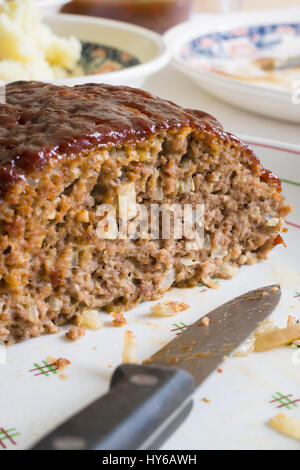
266 326
186 163
187 261
246 348
168 280
74 261
168 309
158 194
286 425
55 304
107 228
272 222
33 313
129 350
187 185
215 254
227 271
278 337
207 281
291 321
205 321
127 201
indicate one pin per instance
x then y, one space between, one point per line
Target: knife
147 403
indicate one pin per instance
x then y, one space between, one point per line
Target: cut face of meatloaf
67 152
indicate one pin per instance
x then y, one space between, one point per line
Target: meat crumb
205 321
205 400
75 333
220 371
118 319
61 363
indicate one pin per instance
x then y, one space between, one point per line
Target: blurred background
214 5
160 15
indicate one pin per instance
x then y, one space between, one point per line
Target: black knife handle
143 408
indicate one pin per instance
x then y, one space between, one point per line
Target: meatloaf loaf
67 152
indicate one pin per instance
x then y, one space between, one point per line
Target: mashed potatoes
28 48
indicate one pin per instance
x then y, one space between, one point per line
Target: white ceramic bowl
148 47
270 102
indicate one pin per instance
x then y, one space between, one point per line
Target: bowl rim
149 67
187 31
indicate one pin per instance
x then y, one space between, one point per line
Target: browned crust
41 122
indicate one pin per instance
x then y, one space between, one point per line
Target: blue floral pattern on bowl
243 42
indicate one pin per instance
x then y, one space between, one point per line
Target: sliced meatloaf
67 152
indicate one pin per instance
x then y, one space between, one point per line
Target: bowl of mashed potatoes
71 49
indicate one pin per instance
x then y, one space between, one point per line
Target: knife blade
200 349
146 403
